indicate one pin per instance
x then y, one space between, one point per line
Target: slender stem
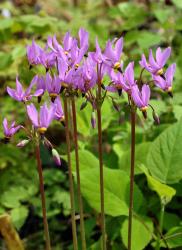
82 227
132 168
41 183
160 225
99 120
75 243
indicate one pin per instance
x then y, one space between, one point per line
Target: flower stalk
160 225
74 233
43 199
132 169
82 227
99 121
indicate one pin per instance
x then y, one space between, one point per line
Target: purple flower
56 157
10 130
97 56
117 81
59 114
53 85
40 83
156 66
113 55
48 59
83 36
86 76
33 53
165 82
22 96
42 120
141 98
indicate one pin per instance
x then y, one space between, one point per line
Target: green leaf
178 3
147 39
173 237
142 230
164 157
116 190
19 215
140 158
165 192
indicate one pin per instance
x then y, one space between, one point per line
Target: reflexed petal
5 126
136 95
152 62
145 94
170 73
32 114
44 113
159 82
164 56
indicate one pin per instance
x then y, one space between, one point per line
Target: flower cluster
72 70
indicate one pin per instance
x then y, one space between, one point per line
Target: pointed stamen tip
160 72
169 91
42 130
53 96
76 66
117 65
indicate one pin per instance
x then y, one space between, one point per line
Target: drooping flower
33 53
141 98
156 66
48 59
86 76
53 85
9 131
113 53
59 114
22 96
42 120
165 83
117 80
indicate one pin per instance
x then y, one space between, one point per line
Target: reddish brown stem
132 168
82 227
99 121
42 192
75 243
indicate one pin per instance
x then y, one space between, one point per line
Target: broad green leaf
173 237
147 39
19 215
163 14
170 220
140 158
177 110
165 192
178 3
142 230
116 190
164 157
86 160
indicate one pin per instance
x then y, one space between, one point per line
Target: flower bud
93 119
115 105
156 118
47 144
56 157
22 143
83 105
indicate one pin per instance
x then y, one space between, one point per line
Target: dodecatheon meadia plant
10 130
42 120
165 82
53 86
156 66
21 95
33 53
